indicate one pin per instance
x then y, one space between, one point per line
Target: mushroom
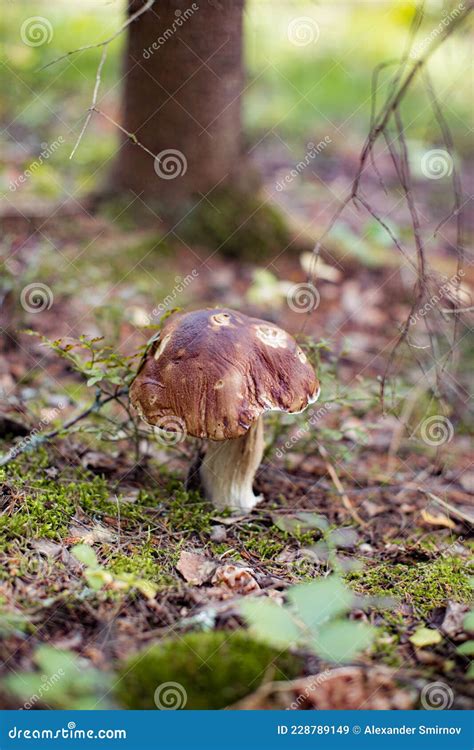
214 373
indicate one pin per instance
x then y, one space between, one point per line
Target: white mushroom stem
228 470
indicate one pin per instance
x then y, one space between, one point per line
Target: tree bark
182 86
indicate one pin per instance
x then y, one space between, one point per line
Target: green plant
63 681
12 623
95 361
98 577
314 618
212 670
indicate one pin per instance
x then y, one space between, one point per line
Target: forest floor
394 496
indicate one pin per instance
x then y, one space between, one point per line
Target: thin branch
130 135
107 41
338 485
447 506
93 103
26 445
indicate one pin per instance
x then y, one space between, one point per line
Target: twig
94 101
397 435
457 310
338 485
130 135
379 125
447 506
104 42
37 440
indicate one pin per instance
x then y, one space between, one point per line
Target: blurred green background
296 91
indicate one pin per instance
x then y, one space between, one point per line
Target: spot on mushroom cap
218 370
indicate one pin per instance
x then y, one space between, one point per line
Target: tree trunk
182 86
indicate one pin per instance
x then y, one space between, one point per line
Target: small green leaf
95 379
86 555
270 622
341 640
51 660
300 522
466 649
97 578
425 637
147 588
321 600
468 622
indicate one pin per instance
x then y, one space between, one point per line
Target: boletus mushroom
216 372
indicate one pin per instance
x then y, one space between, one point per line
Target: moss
188 511
145 561
213 669
43 507
238 225
267 542
424 585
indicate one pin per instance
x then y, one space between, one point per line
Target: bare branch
107 41
94 101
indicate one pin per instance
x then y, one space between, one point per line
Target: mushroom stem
228 470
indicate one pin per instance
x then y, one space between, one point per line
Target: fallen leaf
453 622
437 520
46 547
236 578
321 270
218 533
425 637
195 569
97 533
466 480
99 461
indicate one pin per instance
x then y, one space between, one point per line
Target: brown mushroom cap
218 370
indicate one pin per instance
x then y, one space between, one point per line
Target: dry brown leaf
236 578
195 569
453 620
437 520
97 533
466 480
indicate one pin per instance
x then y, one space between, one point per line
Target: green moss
213 669
238 225
188 511
424 585
144 561
43 507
